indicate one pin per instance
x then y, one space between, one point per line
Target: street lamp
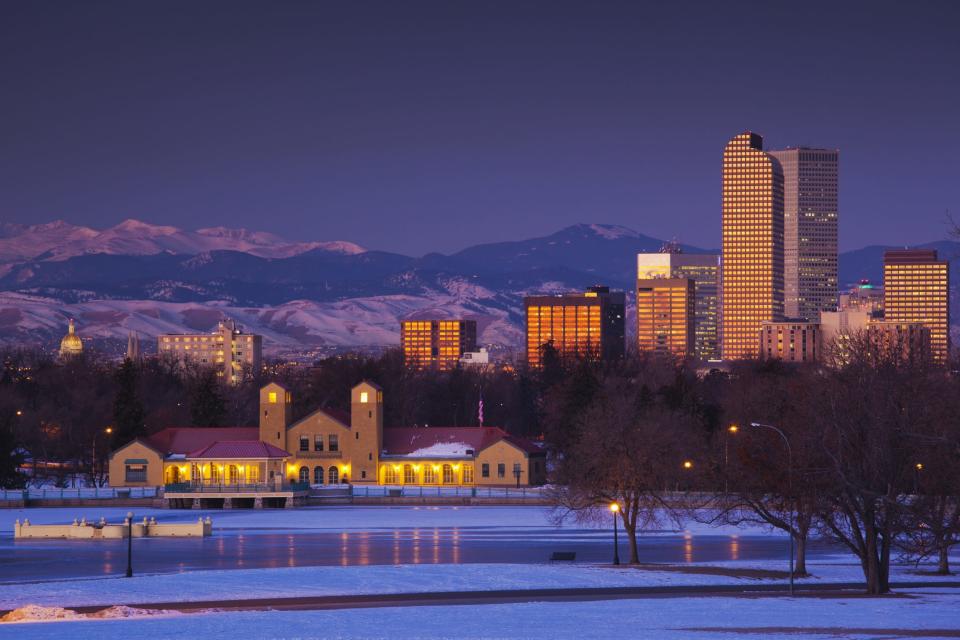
786 441
916 478
129 544
615 509
732 431
93 466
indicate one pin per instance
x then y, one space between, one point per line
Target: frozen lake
357 536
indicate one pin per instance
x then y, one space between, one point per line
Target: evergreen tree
128 412
207 407
11 455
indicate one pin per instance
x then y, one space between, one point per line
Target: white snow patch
441 449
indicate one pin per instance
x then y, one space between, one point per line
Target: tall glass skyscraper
752 259
809 231
916 289
704 270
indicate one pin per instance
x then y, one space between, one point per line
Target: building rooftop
238 450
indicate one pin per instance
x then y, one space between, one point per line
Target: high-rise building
863 297
704 271
133 346
752 259
437 344
790 341
665 316
916 289
228 349
809 230
577 325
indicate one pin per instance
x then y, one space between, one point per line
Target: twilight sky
429 126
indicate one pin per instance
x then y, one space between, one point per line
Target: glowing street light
687 464
615 509
786 441
732 430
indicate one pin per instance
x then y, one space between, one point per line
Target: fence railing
51 493
418 491
187 487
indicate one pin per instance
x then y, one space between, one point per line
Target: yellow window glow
272 396
364 397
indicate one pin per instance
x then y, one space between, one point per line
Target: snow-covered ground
922 609
799 618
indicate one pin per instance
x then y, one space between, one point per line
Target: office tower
437 344
133 347
228 349
665 316
704 270
863 297
809 230
752 259
790 341
577 325
916 289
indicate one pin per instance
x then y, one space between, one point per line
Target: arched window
318 475
408 476
304 474
333 476
429 474
447 474
389 475
233 474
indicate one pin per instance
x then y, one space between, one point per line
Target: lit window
364 397
272 397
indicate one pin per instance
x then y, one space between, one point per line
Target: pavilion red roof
238 449
183 440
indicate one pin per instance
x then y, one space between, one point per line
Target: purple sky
429 126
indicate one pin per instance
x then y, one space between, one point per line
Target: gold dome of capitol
71 344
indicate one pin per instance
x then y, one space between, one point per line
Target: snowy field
680 618
675 617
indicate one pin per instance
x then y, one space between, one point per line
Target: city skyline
576 114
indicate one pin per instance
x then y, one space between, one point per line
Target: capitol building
71 345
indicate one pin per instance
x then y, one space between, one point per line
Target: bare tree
630 448
752 464
870 413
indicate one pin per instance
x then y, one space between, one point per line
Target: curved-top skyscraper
752 260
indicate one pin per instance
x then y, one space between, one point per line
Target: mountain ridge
313 296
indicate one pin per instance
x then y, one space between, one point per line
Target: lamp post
731 431
615 510
786 441
129 544
916 478
93 466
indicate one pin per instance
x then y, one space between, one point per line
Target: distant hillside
152 279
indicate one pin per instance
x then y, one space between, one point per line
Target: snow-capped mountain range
300 295
61 240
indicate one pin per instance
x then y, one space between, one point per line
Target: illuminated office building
752 259
437 343
790 341
229 350
665 316
704 271
916 288
809 230
577 325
